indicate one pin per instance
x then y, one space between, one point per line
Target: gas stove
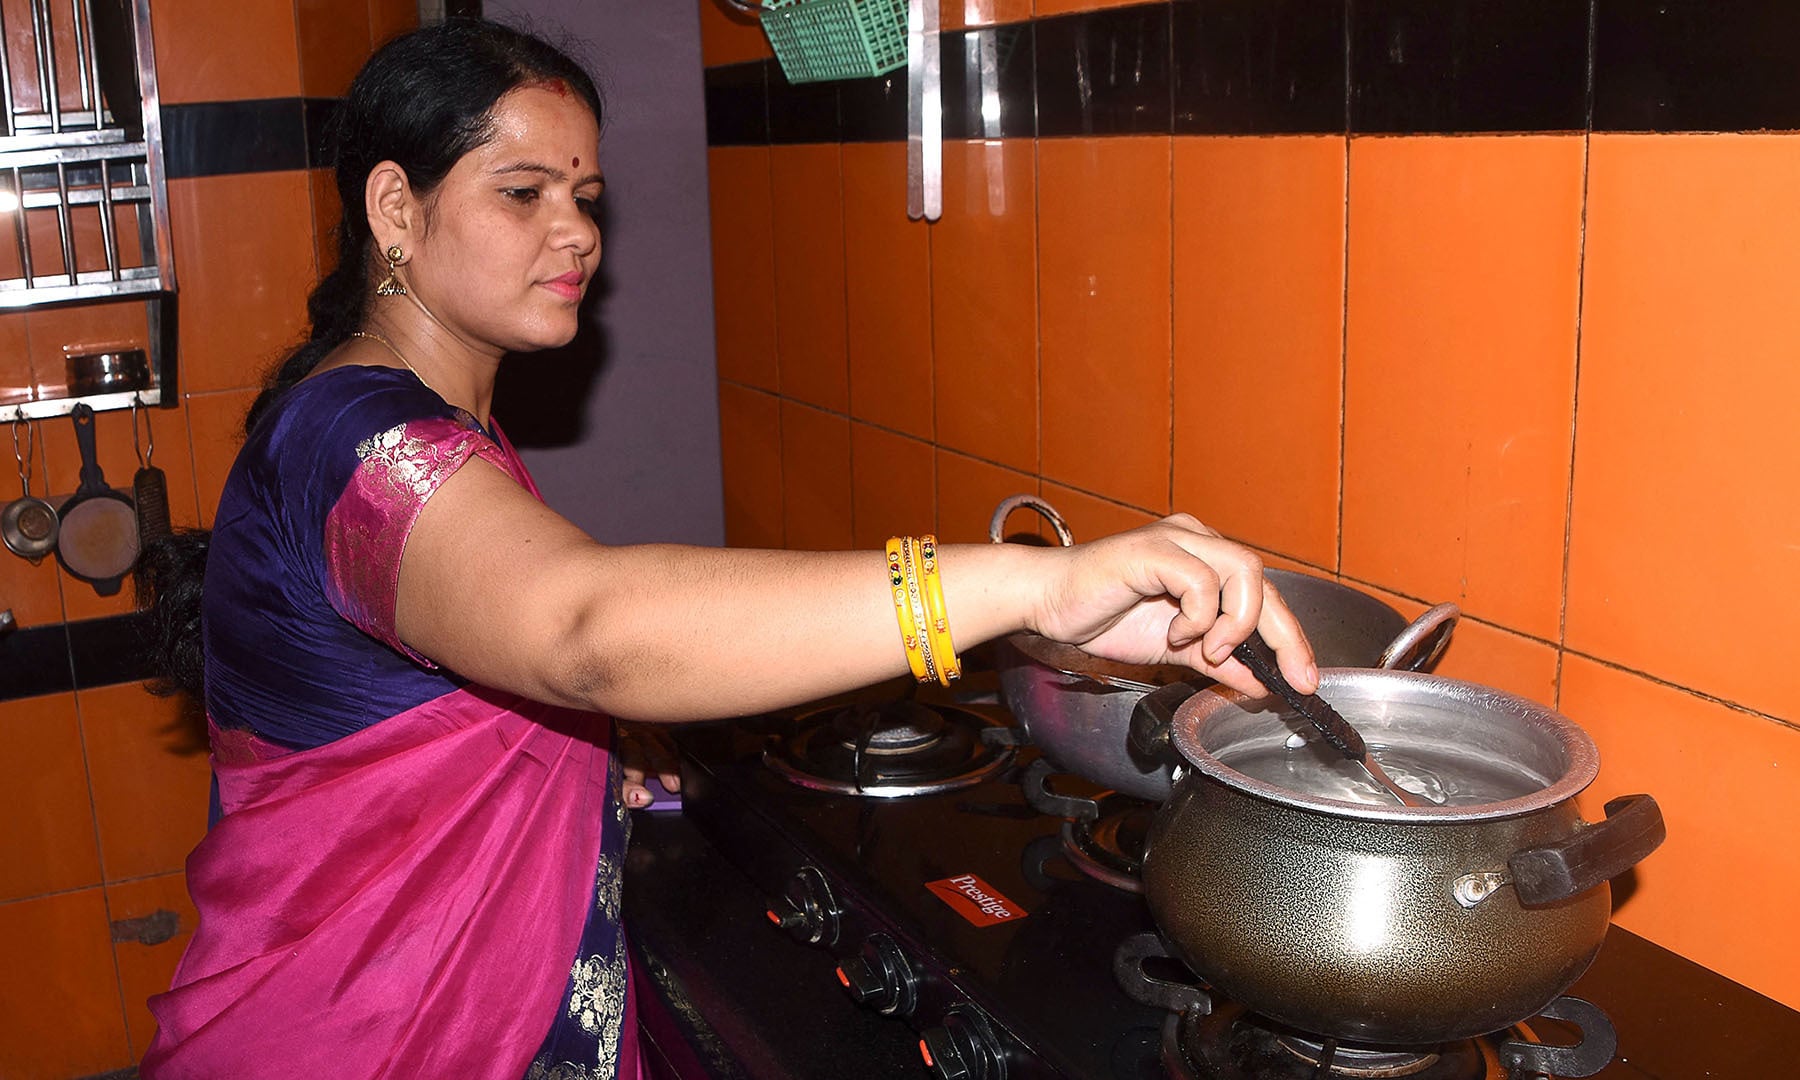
966 915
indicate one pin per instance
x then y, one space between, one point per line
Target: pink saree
425 897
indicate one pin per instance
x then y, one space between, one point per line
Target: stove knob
880 978
808 911
964 1048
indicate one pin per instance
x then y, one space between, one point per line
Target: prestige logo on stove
976 900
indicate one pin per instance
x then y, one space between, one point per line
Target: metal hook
144 455
24 457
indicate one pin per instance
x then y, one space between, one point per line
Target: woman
408 661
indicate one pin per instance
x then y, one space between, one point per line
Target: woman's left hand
645 751
1174 591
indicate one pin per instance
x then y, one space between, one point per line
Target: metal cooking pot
1076 708
1291 888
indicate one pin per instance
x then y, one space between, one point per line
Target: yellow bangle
915 600
909 633
937 627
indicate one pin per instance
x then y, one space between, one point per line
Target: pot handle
1147 989
1152 718
997 523
1551 874
1418 647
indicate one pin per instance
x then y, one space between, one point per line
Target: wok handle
997 523
1595 853
1152 718
1418 647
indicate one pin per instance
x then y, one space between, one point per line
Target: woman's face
511 240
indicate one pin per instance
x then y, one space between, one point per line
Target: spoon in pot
1256 655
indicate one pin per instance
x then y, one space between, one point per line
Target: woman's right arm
499 588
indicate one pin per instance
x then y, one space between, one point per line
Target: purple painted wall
621 429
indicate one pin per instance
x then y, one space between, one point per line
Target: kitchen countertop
750 1004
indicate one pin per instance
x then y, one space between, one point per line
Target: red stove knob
808 911
965 1047
880 978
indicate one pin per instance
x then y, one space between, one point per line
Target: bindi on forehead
574 163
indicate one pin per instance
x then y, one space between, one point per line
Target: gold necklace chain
398 355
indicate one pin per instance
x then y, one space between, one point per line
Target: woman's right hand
1174 591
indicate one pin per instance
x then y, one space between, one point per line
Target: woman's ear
387 197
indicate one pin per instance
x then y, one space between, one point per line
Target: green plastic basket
836 39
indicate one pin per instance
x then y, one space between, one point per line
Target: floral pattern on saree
366 531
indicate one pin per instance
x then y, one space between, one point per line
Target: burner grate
887 750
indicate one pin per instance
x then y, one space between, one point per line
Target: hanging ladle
1256 655
28 524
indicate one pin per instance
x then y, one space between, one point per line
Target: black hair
422 101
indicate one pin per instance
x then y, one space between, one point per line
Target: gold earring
390 285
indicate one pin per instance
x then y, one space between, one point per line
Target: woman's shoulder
338 409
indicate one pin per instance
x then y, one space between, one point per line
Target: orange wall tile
1460 367
1088 517
388 18
48 843
750 456
333 39
147 968
1684 520
968 492
893 485
810 314
216 427
60 996
984 303
225 50
1719 890
243 290
1259 317
887 284
730 36
815 470
1103 280
955 14
743 264
148 768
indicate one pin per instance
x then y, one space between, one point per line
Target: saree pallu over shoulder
401 902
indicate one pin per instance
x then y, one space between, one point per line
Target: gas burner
1231 1043
1110 847
887 750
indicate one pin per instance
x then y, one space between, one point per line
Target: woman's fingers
643 752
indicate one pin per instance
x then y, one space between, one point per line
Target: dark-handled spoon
1256 655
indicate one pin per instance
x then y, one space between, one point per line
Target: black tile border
1456 66
1696 65
35 661
1357 67
59 657
1256 67
110 650
220 138
1103 72
1000 61
737 104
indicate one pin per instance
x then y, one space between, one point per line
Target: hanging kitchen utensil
98 542
150 487
924 113
28 524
